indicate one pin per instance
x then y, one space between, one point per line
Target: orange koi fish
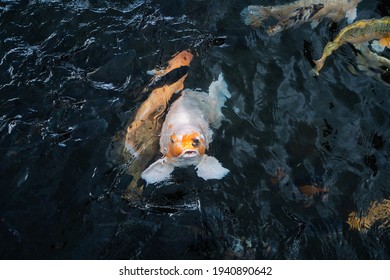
146 121
142 136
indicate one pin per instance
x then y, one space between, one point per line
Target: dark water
58 122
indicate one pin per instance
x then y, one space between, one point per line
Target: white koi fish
186 134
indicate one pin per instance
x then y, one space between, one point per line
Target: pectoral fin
157 171
210 168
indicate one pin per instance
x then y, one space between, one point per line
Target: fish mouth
189 153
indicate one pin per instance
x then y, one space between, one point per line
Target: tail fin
218 91
254 15
319 64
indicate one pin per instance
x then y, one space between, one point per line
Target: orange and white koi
186 134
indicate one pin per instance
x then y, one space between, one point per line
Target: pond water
61 183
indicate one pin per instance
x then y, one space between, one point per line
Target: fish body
356 33
299 16
372 63
148 117
378 212
141 140
298 12
186 134
311 190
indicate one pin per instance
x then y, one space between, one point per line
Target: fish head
186 145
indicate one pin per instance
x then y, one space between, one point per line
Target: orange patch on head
384 42
193 141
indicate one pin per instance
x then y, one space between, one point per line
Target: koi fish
299 16
299 12
280 177
372 63
377 212
311 190
150 111
186 134
356 33
141 141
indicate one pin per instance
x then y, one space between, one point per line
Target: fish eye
195 142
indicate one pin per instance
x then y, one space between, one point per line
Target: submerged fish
371 63
150 111
141 141
298 12
311 190
299 16
377 212
280 177
356 33
186 134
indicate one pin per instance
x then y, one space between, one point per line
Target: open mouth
189 153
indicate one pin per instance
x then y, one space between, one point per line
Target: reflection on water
303 152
